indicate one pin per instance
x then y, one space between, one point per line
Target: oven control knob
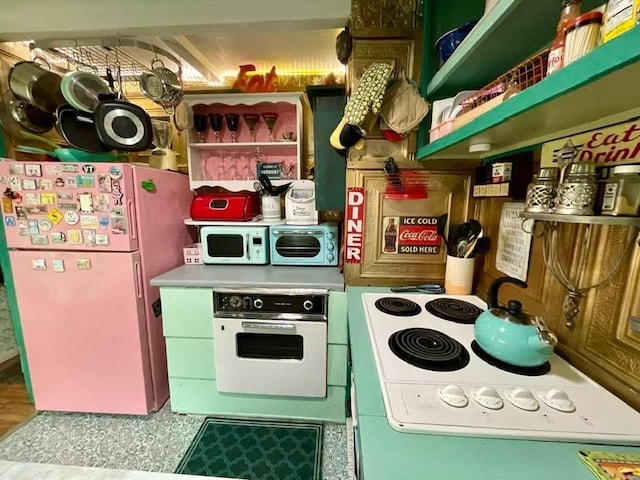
307 305
522 398
257 303
235 301
558 400
330 246
453 395
487 397
330 236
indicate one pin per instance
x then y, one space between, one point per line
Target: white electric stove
443 384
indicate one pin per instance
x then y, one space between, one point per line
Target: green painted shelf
599 89
509 33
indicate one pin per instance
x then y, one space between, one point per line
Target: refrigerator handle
133 227
138 274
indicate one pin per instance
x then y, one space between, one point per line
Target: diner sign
354 225
514 243
616 145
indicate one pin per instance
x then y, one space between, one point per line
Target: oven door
271 357
291 247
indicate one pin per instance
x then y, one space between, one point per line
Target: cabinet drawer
337 316
337 365
191 357
187 312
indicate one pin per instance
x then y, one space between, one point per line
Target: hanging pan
82 90
36 85
78 130
122 125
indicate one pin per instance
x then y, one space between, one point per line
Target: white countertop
31 471
243 276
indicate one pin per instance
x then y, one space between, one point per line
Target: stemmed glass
270 119
200 125
251 119
233 122
216 124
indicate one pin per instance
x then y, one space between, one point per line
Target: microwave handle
248 250
297 232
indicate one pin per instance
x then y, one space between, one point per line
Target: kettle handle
492 294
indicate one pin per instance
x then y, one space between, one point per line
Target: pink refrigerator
86 239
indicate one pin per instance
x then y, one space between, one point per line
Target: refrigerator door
69 206
82 316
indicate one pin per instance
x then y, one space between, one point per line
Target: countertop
244 276
387 453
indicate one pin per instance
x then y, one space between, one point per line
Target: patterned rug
255 450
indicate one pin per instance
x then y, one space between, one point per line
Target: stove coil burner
454 310
527 371
429 349
397 306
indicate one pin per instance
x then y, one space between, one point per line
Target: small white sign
514 243
57 265
39 264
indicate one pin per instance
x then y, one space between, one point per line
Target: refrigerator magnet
16 169
4 179
85 181
118 226
89 221
57 265
86 202
58 237
7 204
45 184
20 213
68 206
102 202
89 238
33 170
102 240
52 170
48 198
65 195
116 193
23 230
45 224
70 182
104 223
59 182
104 183
83 264
32 198
39 264
69 168
39 240
10 221
29 184
71 217
33 227
115 172
88 168
117 213
14 183
36 210
75 237
55 216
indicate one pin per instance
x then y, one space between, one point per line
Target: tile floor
153 443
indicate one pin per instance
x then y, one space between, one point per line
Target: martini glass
270 119
216 124
200 125
251 119
233 122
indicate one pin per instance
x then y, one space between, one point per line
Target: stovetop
479 399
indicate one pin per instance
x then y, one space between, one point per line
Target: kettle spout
540 346
543 340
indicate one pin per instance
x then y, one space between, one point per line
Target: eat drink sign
256 83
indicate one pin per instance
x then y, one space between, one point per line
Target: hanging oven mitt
403 108
366 98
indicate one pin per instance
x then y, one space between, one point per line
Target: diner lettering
354 225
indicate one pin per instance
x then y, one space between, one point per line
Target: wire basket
528 73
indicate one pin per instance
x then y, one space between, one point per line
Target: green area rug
255 450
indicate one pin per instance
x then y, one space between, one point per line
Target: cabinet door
447 193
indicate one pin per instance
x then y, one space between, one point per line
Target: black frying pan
78 129
122 125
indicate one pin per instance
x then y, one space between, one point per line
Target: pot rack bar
97 54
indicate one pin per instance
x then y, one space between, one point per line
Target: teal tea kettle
511 335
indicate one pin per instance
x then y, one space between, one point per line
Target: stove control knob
487 397
558 400
330 257
330 236
257 303
307 305
330 246
454 396
522 398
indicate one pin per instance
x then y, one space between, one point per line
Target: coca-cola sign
411 235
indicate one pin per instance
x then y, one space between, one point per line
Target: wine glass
216 124
270 119
200 125
233 122
251 119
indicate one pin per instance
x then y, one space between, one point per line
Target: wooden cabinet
233 163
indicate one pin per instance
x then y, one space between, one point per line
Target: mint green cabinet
187 316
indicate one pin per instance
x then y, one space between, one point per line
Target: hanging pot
82 90
183 116
123 125
36 85
78 129
511 335
31 118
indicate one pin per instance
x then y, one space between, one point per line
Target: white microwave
240 244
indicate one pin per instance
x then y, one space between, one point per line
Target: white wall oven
271 342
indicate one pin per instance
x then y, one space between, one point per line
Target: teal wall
11 298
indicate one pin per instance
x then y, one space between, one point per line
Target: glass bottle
390 236
570 10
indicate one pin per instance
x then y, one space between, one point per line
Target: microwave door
226 245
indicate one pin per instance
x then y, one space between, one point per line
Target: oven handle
269 326
297 232
248 251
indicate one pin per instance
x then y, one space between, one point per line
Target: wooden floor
15 407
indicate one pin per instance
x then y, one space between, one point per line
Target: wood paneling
15 407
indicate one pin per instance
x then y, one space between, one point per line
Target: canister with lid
542 190
576 194
622 192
